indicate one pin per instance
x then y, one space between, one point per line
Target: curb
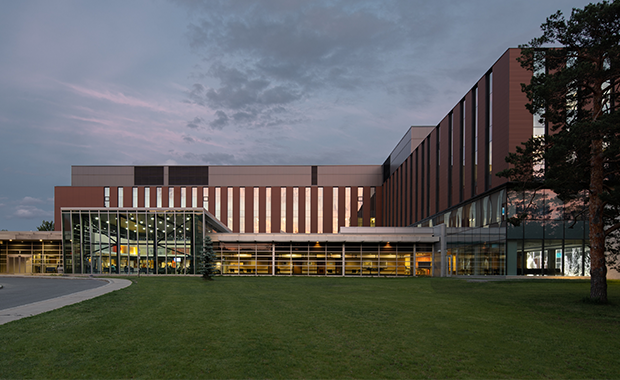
35 308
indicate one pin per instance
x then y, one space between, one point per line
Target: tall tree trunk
598 269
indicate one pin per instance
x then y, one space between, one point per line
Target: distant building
435 207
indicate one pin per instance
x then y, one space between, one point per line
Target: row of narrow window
355 220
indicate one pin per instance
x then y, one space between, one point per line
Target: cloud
212 158
189 139
30 201
30 212
269 58
221 120
195 124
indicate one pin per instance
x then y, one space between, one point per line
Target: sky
189 82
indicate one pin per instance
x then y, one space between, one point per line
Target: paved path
22 297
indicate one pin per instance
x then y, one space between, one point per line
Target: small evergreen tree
207 260
46 226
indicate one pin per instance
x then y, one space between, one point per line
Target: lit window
171 197
319 211
106 197
121 203
335 211
308 210
295 210
230 208
134 197
268 211
283 209
360 206
242 210
218 199
347 207
255 210
147 197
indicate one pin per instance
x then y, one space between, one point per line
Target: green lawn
294 327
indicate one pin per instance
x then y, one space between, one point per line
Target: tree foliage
46 226
206 266
574 91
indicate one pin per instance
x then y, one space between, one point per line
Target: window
121 202
295 210
489 153
205 198
268 210
373 207
308 210
218 206
283 209
159 197
106 197
319 211
147 197
183 197
360 206
134 197
255 218
171 197
347 207
194 197
475 153
335 211
230 208
242 209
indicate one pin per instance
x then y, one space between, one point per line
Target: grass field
283 327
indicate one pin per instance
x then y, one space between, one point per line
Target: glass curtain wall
136 241
321 258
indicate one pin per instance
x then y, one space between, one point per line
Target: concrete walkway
34 308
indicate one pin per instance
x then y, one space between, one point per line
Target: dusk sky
239 82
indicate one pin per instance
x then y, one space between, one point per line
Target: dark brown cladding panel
148 175
188 175
76 196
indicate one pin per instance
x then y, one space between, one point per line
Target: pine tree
574 89
207 260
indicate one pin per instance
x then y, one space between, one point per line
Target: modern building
434 207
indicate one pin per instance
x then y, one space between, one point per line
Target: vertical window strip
147 197
475 149
335 210
268 210
205 198
373 206
360 206
283 209
134 197
159 197
437 167
490 113
347 207
308 209
218 206
462 157
242 210
255 216
106 197
229 209
295 210
171 197
194 197
183 197
319 211
121 203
